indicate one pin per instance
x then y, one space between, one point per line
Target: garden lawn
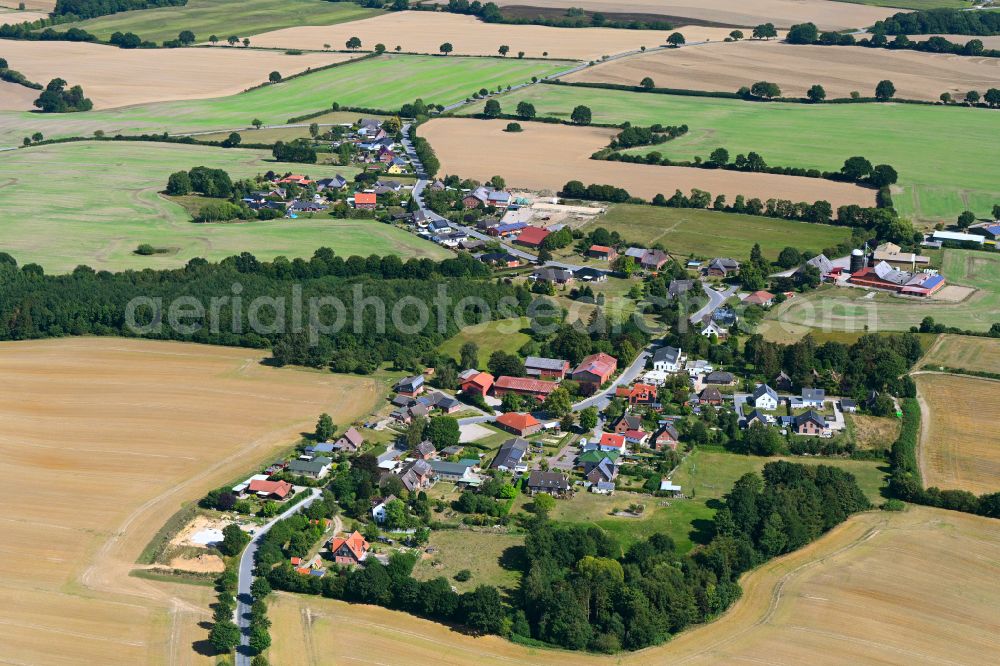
705 477
706 233
941 171
849 309
386 82
56 217
498 335
479 552
224 18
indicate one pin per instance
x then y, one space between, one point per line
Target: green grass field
499 335
386 83
848 309
944 164
705 477
225 17
708 233
478 552
93 203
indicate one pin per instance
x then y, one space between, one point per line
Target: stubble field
963 352
224 18
883 587
424 32
960 442
99 220
546 156
851 309
783 13
152 75
12 17
840 70
941 173
386 83
103 440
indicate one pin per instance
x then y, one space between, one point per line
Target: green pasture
944 158
706 233
849 309
93 202
705 476
224 18
386 82
497 335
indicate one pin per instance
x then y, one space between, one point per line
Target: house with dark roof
720 377
588 274
418 476
653 260
810 423
461 472
628 422
411 386
666 437
710 396
316 468
678 288
783 382
605 469
425 450
546 368
550 483
764 397
810 397
668 359
553 275
722 267
511 456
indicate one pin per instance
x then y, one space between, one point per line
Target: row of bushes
424 153
905 481
14 76
855 170
807 33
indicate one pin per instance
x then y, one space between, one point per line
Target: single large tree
675 39
353 43
446 48
816 93
885 90
492 109
325 428
581 115
525 110
468 356
504 50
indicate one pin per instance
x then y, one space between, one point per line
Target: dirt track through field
425 32
547 156
113 77
103 440
893 588
840 70
826 14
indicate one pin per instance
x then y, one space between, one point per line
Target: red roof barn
532 236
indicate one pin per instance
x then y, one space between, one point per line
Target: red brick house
532 237
471 201
349 550
519 424
531 388
638 394
365 200
602 252
666 438
811 423
594 370
476 382
628 422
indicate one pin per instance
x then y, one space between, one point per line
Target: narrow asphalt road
243 597
715 299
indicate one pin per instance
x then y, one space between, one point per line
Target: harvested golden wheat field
424 32
960 440
826 14
840 70
102 441
964 352
546 156
15 97
12 17
153 75
919 587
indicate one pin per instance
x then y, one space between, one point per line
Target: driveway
715 300
243 597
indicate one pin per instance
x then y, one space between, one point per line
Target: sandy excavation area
424 32
113 77
103 439
545 157
840 70
826 14
919 587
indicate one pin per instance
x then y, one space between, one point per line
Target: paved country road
243 597
715 300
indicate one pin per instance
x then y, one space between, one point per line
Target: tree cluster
57 99
85 9
296 150
946 21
